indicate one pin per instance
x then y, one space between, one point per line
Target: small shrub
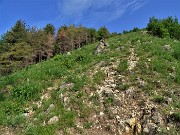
176 52
159 66
25 92
40 130
85 111
79 83
109 100
177 104
123 66
159 99
175 117
17 120
95 98
98 77
177 76
67 119
87 125
123 87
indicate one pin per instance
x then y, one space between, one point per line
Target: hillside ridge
131 87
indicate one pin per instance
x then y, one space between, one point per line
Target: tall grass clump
176 52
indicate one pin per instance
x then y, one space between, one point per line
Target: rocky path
127 111
6 131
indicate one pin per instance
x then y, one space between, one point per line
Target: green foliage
175 117
49 29
176 52
22 46
87 125
159 99
79 83
17 120
72 37
103 33
177 76
26 92
159 66
123 87
123 66
17 34
109 100
16 58
68 119
164 28
135 29
98 77
39 130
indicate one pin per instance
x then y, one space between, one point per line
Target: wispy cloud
97 10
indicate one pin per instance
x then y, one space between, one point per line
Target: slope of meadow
132 87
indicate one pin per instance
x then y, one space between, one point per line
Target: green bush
87 125
175 117
176 52
159 99
164 28
123 66
26 92
177 76
39 130
159 66
99 76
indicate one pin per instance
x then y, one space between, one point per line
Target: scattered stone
117 102
35 119
66 85
113 85
46 96
130 92
150 129
120 48
169 101
101 46
51 88
156 117
133 60
101 114
108 92
39 104
142 83
66 100
167 48
51 107
172 75
133 127
53 120
149 60
68 53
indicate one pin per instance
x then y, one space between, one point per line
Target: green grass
176 52
98 77
87 125
123 66
175 116
159 99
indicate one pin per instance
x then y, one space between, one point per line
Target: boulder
53 120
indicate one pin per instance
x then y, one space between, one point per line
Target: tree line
164 28
23 45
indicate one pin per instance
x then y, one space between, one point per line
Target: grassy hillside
134 78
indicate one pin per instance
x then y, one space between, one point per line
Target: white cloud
101 10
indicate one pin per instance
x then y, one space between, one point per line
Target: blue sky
116 15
